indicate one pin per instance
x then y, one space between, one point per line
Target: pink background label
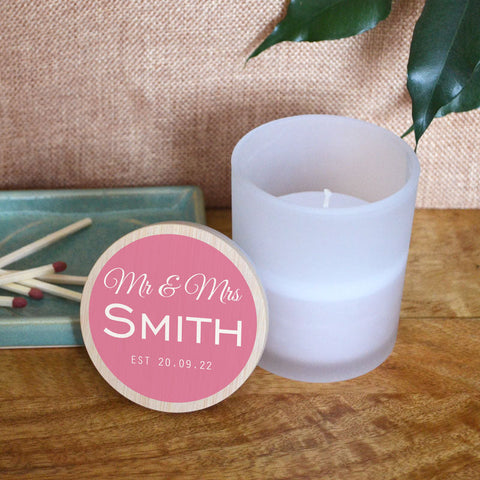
172 318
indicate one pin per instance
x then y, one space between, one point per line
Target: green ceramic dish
26 216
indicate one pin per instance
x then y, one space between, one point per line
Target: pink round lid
174 317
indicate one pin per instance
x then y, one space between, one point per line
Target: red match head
59 266
35 293
19 302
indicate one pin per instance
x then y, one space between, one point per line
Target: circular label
174 317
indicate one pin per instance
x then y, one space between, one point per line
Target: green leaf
467 99
315 20
407 132
444 53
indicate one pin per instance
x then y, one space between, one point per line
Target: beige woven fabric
130 93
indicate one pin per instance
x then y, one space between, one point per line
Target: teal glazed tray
26 216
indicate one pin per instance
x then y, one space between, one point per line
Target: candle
325 199
332 260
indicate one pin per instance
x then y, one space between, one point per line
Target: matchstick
58 278
20 275
44 242
61 279
13 302
34 293
54 289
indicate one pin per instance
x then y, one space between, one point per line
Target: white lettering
199 284
168 289
116 278
179 328
164 323
237 332
199 320
119 319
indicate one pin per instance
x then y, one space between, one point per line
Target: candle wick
326 199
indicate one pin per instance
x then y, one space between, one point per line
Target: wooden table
417 416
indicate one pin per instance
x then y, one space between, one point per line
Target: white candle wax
332 323
325 199
335 302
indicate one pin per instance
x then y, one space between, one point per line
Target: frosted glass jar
333 274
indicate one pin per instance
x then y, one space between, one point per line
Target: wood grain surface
417 416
